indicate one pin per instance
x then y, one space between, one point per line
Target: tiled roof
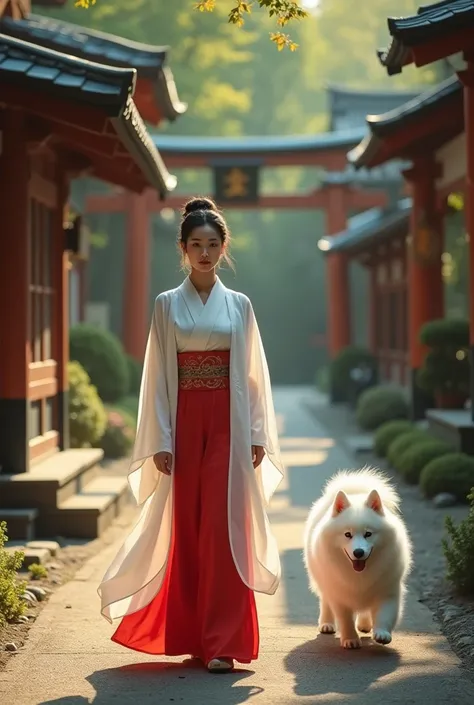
75 80
379 176
348 107
168 144
432 21
431 99
429 24
348 92
364 228
65 76
148 60
380 126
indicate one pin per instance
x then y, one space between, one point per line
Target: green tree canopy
284 11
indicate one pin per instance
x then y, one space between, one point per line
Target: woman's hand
163 462
258 454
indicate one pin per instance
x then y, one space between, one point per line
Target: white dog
357 554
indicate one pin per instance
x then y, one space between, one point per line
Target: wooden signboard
236 184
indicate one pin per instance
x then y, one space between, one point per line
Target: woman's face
204 248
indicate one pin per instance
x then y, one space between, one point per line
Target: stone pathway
70 660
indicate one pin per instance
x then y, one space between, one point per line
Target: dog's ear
374 501
340 503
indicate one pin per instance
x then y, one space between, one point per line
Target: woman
205 463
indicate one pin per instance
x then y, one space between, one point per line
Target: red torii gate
327 151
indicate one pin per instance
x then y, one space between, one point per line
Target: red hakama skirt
202 608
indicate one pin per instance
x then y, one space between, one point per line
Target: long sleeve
154 432
154 422
257 376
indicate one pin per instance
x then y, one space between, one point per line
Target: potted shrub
445 372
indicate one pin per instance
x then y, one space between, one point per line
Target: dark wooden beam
89 118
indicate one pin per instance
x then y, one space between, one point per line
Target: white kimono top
181 322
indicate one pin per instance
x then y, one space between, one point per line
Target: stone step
89 512
20 523
51 481
454 426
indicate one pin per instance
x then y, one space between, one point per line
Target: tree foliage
235 83
284 11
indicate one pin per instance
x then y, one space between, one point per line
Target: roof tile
105 48
73 79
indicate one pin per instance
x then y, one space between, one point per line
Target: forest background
237 83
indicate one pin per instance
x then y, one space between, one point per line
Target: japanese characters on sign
236 184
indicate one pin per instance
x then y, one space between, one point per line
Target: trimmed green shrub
453 473
117 440
413 460
102 356
135 370
402 442
445 371
340 369
387 432
11 589
378 405
445 331
87 416
459 550
129 407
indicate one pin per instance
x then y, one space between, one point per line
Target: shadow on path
159 682
375 673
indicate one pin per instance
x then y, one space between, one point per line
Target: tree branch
283 11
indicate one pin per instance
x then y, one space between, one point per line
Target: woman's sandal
220 665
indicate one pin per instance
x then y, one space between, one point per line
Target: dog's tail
364 481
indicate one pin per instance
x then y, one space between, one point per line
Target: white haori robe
136 574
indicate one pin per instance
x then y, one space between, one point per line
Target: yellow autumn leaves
283 11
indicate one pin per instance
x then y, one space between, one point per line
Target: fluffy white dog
357 553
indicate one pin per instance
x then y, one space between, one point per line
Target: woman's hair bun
199 204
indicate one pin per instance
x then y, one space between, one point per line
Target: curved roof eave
167 95
367 226
257 144
387 123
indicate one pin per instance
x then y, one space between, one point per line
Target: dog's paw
353 643
364 625
327 628
381 636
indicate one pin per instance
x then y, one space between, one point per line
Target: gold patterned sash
203 370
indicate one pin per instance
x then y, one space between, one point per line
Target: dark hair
196 213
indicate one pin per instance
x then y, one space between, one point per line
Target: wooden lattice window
43 381
41 284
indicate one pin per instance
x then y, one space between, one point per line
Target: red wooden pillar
136 275
15 349
467 78
61 308
425 283
373 306
339 325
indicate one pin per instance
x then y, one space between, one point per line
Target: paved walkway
70 660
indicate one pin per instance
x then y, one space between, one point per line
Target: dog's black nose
358 553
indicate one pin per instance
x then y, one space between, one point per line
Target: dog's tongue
358 565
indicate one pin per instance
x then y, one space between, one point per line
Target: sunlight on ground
303 458
296 442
